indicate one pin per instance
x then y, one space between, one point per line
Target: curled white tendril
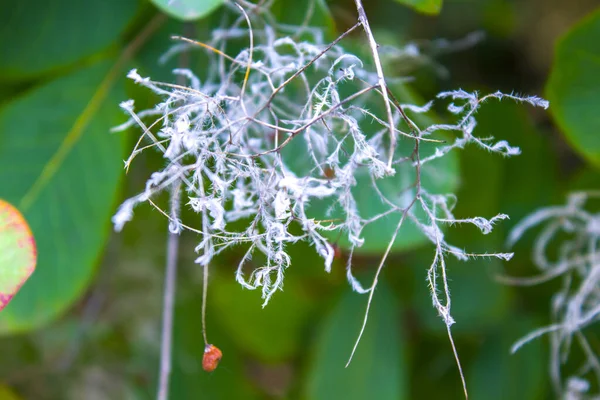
567 248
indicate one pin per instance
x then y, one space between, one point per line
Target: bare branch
169 297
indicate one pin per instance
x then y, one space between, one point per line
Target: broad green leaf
188 10
574 88
497 374
273 333
424 6
61 167
379 367
37 37
17 252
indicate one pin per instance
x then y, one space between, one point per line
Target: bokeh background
87 324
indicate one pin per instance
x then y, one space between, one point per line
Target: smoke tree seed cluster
567 248
279 140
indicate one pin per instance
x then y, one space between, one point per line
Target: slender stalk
171 269
204 295
460 370
169 298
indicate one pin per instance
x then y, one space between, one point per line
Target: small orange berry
212 356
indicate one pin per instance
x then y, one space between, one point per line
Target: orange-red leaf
18 253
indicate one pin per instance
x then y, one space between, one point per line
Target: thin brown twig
204 297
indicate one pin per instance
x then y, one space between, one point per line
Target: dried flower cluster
567 248
280 143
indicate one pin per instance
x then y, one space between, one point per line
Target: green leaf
574 88
17 252
37 37
431 7
379 367
60 165
496 374
188 10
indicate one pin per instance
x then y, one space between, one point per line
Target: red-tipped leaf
18 253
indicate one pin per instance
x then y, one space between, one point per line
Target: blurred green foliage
41 37
574 88
86 325
424 6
